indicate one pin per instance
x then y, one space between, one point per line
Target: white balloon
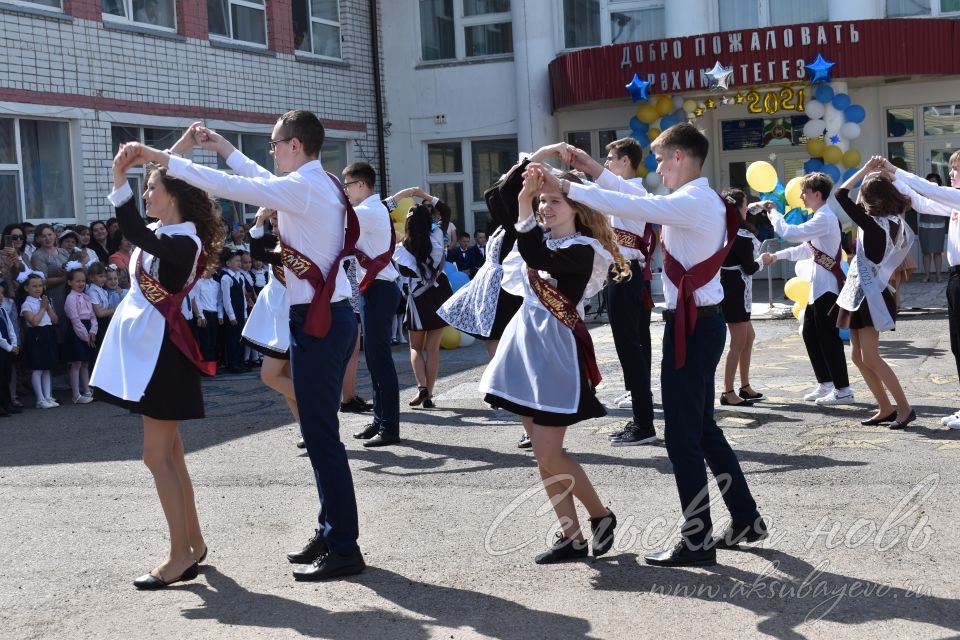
850 130
653 180
677 102
815 109
814 128
829 111
833 128
466 339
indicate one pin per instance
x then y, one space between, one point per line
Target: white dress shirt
375 226
309 206
609 180
932 199
207 294
227 280
7 344
823 231
694 226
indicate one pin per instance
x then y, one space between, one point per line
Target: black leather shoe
683 556
316 547
738 532
602 528
748 396
881 420
331 565
726 403
902 424
368 432
563 550
149 582
382 439
354 405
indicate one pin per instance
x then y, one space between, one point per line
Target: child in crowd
207 305
261 275
123 282
233 289
112 286
9 348
79 345
102 309
251 357
40 337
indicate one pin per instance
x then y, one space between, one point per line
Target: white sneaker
835 397
83 400
818 392
43 404
88 393
954 424
52 402
946 420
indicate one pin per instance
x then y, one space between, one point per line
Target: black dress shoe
382 439
683 556
881 420
727 403
331 565
316 547
563 550
602 528
902 424
149 582
12 409
354 405
368 432
747 396
738 532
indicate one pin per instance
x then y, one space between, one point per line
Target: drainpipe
378 95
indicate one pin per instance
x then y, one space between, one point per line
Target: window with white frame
316 27
156 137
333 155
590 23
458 29
908 8
36 177
242 20
46 4
153 13
751 14
595 142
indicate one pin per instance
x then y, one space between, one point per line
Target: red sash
168 304
565 311
646 245
279 274
375 265
830 264
689 280
318 315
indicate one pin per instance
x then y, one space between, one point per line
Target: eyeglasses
16 236
347 184
273 143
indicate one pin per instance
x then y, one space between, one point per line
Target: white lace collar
555 243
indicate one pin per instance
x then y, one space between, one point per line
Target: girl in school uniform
97 277
544 369
149 361
79 345
40 337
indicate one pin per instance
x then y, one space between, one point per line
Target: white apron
268 325
536 363
131 345
473 307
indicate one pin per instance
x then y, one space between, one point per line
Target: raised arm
820 224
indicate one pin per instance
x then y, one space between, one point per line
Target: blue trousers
630 326
692 434
318 366
380 302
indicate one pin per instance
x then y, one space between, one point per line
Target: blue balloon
450 269
458 279
856 113
844 266
668 121
849 172
813 164
650 162
643 140
833 171
844 334
635 124
823 93
841 101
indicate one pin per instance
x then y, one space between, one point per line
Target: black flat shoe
881 420
315 548
682 556
150 582
368 432
727 403
563 550
382 440
428 403
354 405
746 396
602 529
738 532
902 424
331 565
421 395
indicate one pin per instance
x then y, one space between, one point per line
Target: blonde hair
594 224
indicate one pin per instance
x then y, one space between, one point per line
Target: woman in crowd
98 241
932 231
12 257
121 257
49 259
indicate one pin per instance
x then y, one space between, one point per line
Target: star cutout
725 100
821 69
710 103
638 88
698 112
739 98
835 139
720 77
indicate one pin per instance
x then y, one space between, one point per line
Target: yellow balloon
832 154
652 133
792 192
815 147
851 158
664 105
689 105
450 338
403 206
761 176
647 113
642 171
797 308
797 290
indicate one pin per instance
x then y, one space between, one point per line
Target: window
949 6
316 27
902 8
738 14
941 120
793 12
155 13
490 160
595 142
158 138
333 155
49 4
900 122
36 178
590 23
256 147
243 20
457 29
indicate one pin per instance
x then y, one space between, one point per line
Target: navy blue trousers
380 302
630 326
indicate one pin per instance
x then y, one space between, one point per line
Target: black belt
702 312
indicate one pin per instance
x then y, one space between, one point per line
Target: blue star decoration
638 88
835 139
821 69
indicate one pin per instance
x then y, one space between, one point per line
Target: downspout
378 95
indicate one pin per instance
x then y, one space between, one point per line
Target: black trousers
630 326
5 366
233 344
380 301
953 313
822 340
207 336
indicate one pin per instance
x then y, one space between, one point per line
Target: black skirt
265 351
75 349
734 292
40 348
427 304
507 307
860 318
173 392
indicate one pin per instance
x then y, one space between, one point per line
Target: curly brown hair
880 198
195 206
594 224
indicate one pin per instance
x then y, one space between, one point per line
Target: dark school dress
502 204
39 344
734 286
